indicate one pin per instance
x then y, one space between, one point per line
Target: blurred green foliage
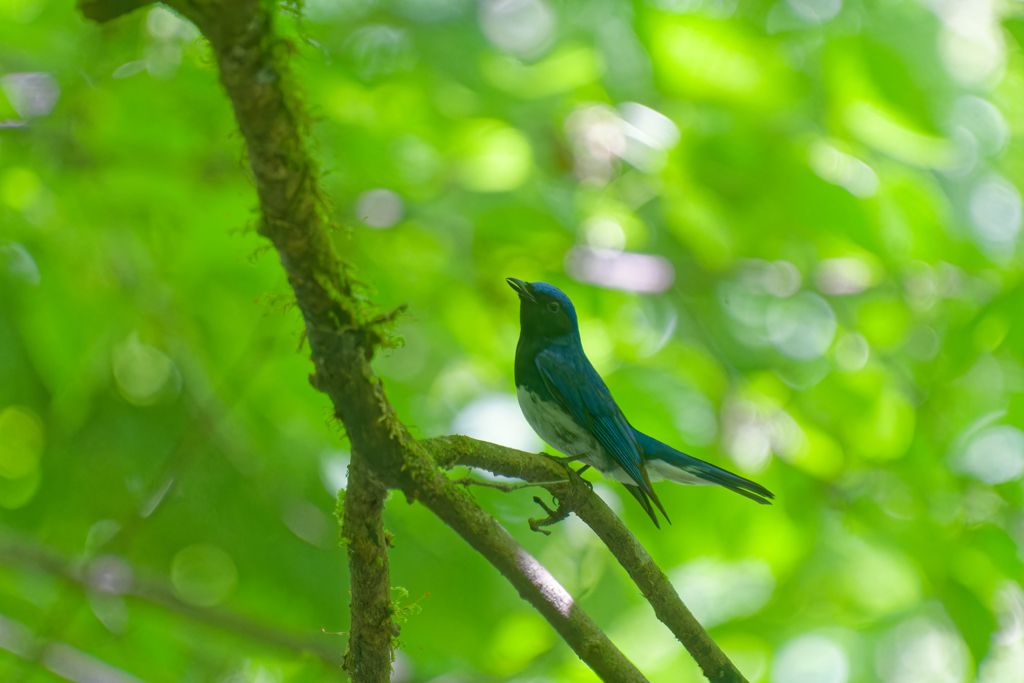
791 229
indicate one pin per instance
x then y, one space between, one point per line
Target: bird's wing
581 392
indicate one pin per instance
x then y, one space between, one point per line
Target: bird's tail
694 471
642 498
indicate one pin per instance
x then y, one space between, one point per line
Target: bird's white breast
561 431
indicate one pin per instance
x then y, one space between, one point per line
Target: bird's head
544 309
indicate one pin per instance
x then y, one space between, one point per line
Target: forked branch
576 496
343 336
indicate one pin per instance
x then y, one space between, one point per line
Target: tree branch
104 10
577 497
41 560
368 658
449 501
253 70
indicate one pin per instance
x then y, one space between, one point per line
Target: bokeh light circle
802 326
379 208
811 659
994 455
203 575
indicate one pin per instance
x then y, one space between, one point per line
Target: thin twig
506 488
388 317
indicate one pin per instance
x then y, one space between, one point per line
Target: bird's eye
553 307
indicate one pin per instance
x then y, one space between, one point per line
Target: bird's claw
554 516
565 462
565 505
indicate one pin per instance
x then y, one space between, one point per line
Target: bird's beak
522 289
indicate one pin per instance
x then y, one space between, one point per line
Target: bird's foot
568 501
554 516
565 462
580 471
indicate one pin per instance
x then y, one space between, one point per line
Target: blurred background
791 229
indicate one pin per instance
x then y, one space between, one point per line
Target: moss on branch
253 66
370 641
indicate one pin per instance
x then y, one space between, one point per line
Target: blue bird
568 405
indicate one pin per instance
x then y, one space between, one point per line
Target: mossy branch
342 335
372 631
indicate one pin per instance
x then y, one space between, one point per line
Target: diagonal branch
449 501
575 496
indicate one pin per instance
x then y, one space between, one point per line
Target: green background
823 194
